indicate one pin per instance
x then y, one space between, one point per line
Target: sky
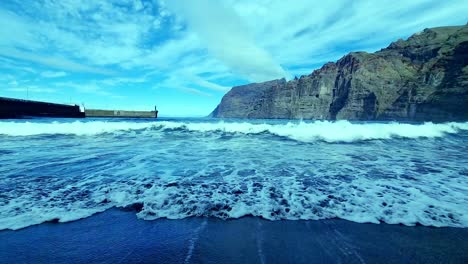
183 56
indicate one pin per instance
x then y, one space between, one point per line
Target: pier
17 108
120 113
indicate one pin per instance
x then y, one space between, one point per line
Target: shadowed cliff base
423 78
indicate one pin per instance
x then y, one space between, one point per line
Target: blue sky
183 56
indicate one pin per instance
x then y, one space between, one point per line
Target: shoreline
117 235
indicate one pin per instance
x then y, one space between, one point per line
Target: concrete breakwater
121 113
17 108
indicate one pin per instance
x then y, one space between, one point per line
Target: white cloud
137 5
193 91
226 36
157 23
123 80
246 38
31 89
207 84
17 33
309 32
53 74
88 87
199 47
174 82
16 67
94 33
54 62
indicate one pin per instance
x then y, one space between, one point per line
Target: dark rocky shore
117 236
424 78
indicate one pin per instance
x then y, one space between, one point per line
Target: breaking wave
72 128
64 171
339 131
362 200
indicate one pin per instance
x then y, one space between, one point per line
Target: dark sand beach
117 236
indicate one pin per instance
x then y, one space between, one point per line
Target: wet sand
117 236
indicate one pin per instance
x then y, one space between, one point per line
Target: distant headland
423 78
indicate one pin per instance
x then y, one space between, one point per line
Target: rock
424 78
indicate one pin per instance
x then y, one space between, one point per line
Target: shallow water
175 168
116 236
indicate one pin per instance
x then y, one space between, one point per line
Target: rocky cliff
422 78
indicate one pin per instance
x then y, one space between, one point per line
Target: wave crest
77 128
339 131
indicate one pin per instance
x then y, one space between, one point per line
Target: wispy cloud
31 89
123 80
88 87
203 47
190 78
253 39
18 68
193 91
226 36
23 87
174 82
310 33
53 74
54 62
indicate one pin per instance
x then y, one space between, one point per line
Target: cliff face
422 78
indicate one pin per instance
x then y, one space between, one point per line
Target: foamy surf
184 168
77 128
339 131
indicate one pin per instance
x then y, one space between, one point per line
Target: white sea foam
363 200
340 131
74 128
228 170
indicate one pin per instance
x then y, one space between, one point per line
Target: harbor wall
17 108
120 113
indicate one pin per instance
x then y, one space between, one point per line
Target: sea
61 170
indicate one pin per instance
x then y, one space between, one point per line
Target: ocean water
397 173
